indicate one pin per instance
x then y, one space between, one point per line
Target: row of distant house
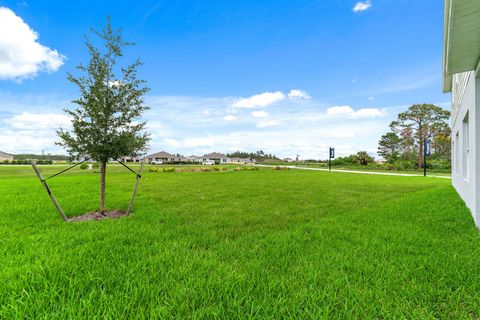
163 157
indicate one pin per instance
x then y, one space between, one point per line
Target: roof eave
447 78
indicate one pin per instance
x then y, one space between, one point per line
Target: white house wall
465 97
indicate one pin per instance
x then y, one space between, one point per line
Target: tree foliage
363 158
359 158
389 147
259 155
421 121
442 144
104 123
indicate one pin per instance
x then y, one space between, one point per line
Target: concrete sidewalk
354 171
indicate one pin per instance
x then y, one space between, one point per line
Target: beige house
5 156
164 157
160 157
218 158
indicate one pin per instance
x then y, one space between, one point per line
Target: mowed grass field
247 244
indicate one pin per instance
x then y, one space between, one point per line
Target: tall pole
425 157
330 156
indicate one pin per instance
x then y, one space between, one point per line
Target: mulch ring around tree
98 216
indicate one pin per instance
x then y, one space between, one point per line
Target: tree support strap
59 173
139 175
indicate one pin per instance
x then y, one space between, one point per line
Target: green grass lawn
259 244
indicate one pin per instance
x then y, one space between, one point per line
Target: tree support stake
139 175
52 197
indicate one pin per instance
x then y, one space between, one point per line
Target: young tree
424 120
105 122
389 146
362 158
442 144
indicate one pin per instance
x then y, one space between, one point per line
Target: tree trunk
103 171
420 146
420 153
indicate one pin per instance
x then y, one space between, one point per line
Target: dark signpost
331 155
426 153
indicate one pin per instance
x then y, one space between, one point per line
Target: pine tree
425 120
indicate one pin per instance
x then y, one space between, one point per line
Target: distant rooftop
215 155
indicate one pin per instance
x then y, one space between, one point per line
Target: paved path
354 171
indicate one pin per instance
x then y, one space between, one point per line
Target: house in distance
164 157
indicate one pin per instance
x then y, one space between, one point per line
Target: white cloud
260 100
339 111
369 113
259 114
27 141
371 98
267 123
35 121
21 55
229 118
295 94
362 6
347 111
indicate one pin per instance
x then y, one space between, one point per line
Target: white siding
465 121
466 147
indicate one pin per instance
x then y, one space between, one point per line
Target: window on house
454 165
466 147
456 156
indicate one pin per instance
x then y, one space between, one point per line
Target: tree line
405 141
259 155
29 156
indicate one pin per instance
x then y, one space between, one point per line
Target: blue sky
288 77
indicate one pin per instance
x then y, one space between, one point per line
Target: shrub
280 168
206 169
439 164
153 169
391 167
406 165
25 161
362 158
95 165
168 170
83 166
40 161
